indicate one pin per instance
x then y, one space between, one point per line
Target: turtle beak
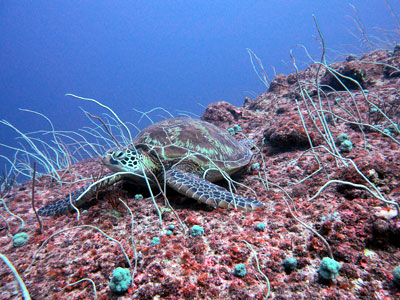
108 160
112 161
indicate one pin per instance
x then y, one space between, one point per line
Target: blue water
181 55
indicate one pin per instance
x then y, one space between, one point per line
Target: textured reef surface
335 199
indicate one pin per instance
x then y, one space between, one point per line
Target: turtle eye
117 154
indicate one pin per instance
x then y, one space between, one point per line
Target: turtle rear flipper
206 192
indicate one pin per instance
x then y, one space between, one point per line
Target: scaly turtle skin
189 154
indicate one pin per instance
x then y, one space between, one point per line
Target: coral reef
318 202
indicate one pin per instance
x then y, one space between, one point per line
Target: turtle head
129 159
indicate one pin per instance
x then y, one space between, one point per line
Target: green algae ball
196 230
329 269
290 264
346 146
396 276
231 131
20 239
155 241
121 280
138 197
240 270
261 227
255 167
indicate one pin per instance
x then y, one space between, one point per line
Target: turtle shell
196 141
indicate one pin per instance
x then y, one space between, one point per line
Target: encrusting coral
318 201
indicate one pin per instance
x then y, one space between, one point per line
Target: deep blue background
143 54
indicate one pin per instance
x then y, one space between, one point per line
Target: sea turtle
184 153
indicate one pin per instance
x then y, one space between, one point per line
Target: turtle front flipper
63 206
77 197
204 191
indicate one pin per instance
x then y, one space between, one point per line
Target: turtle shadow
176 200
